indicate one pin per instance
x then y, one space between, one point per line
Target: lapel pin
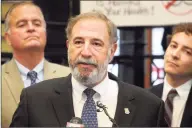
126 110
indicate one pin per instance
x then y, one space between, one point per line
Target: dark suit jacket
187 115
49 104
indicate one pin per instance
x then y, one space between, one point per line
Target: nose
30 27
176 53
86 51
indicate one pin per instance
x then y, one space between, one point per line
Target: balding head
14 7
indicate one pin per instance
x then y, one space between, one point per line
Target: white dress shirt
23 71
106 92
179 101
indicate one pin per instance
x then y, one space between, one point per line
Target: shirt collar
182 90
23 70
102 87
78 88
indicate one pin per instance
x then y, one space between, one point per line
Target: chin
172 72
32 43
34 48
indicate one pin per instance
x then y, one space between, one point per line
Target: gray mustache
86 61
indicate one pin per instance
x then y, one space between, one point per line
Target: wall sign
142 13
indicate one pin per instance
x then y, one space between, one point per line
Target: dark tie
89 113
169 106
32 75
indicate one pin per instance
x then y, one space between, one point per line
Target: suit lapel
13 79
124 105
157 90
62 101
187 115
48 70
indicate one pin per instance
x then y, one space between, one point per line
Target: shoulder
47 86
141 94
5 65
3 68
156 88
58 67
8 66
129 90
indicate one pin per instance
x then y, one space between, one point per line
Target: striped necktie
169 106
32 75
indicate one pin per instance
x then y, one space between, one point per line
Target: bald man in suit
25 32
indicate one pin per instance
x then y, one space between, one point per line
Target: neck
176 81
30 59
101 79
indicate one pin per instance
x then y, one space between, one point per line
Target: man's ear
67 43
113 50
7 38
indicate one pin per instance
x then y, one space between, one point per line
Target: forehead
90 27
25 11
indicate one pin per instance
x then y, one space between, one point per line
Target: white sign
142 13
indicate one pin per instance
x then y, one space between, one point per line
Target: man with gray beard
91 46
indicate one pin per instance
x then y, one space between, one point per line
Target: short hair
182 27
14 6
112 29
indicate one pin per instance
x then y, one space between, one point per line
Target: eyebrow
19 21
78 38
36 20
96 39
186 47
24 20
175 42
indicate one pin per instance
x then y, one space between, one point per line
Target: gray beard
96 76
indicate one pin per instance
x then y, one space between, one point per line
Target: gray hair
112 29
14 6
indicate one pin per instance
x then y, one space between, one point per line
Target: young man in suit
25 32
178 68
91 46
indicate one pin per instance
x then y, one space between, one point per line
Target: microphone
100 105
75 122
